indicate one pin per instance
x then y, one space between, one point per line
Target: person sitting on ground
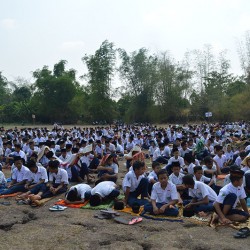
19 177
152 177
78 194
129 157
188 159
105 190
221 160
177 179
2 181
158 154
198 176
134 184
108 168
164 197
58 182
211 169
175 158
202 195
226 202
37 180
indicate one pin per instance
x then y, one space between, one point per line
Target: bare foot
34 197
203 214
22 197
215 219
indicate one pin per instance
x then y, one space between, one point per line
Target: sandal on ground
57 208
242 233
135 220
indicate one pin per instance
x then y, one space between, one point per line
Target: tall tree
101 68
53 92
139 72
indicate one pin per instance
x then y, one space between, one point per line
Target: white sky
34 33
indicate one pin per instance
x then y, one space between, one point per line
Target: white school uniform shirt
166 151
41 174
201 190
229 155
130 145
179 159
81 189
238 161
104 188
164 195
152 176
99 150
114 166
177 180
228 189
61 176
21 154
220 160
130 180
2 178
202 179
245 168
190 168
156 154
151 150
20 175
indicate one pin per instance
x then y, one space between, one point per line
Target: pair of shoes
242 233
57 208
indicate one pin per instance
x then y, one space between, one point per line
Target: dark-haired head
95 200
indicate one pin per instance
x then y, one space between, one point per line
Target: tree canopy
152 88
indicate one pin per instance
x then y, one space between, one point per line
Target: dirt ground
24 227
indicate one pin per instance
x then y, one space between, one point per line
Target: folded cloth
130 211
161 217
62 203
105 205
9 195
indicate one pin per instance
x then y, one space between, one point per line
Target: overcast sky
34 33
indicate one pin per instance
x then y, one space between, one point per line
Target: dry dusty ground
24 227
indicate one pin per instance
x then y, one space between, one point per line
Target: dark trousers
142 190
15 189
82 173
162 160
168 211
230 199
38 188
47 193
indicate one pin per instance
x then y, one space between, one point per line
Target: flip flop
135 220
128 221
242 233
57 208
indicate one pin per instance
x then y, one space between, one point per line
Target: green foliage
100 72
54 92
155 88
